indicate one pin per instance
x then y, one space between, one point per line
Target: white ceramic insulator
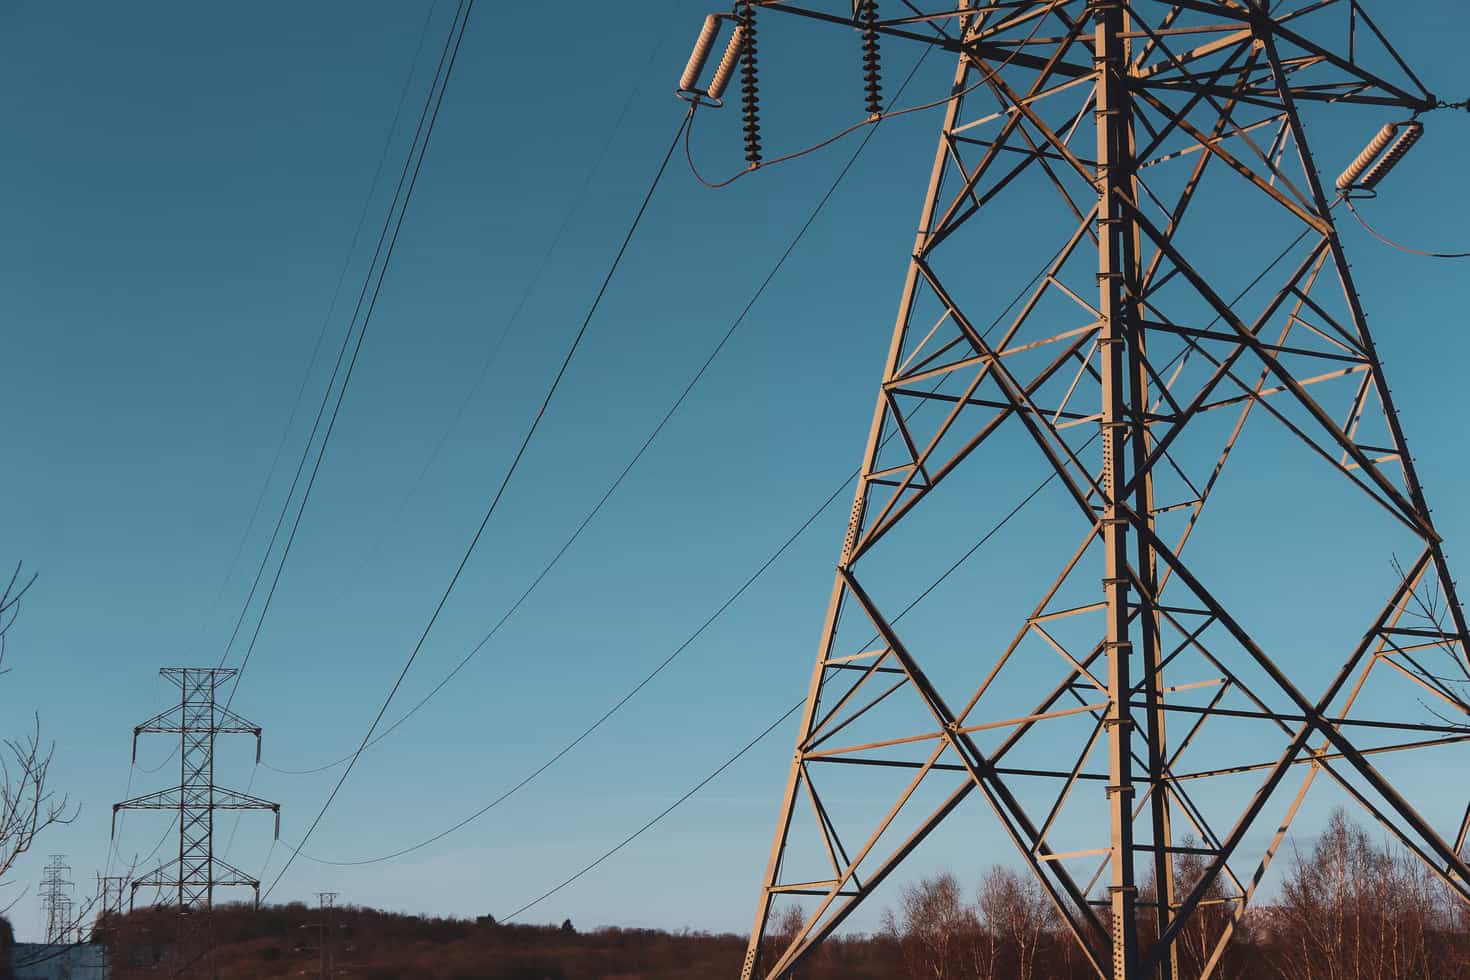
1392 155
727 64
1375 146
700 55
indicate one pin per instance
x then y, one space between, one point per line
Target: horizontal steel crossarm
1262 25
1312 756
174 797
1401 726
168 876
886 28
171 721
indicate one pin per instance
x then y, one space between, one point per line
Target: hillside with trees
1349 908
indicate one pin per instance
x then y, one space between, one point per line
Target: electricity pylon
56 904
197 719
1146 726
110 894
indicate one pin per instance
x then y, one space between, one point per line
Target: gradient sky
180 187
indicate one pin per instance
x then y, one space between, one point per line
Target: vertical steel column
1149 641
183 785
1114 168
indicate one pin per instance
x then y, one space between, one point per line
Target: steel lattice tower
110 894
56 903
197 720
1147 709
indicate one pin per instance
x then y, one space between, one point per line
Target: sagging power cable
1397 245
312 360
684 645
719 770
500 490
653 435
367 301
920 597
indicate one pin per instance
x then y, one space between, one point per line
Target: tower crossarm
175 721
175 798
1179 54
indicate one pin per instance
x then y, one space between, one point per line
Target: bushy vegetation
1350 908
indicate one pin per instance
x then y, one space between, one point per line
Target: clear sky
180 185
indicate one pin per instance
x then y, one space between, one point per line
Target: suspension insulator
1393 155
872 66
1364 171
726 69
700 55
750 85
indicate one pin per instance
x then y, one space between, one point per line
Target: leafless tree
1356 910
1014 910
933 927
27 804
785 925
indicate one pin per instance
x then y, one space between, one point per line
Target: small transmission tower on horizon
1122 707
56 902
197 719
110 889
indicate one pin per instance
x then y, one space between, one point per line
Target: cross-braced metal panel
1192 348
192 877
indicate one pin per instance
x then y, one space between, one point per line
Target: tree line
1350 908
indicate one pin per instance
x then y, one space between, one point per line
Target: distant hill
281 941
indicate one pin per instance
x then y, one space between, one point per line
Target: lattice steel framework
56 902
110 891
1160 150
197 719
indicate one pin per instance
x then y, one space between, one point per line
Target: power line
320 337
920 597
618 705
1396 245
664 813
492 355
371 290
636 458
720 610
504 483
994 530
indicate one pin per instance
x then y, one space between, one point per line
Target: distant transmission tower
1149 158
110 890
328 906
56 903
193 876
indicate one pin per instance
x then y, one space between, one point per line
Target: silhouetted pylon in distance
193 876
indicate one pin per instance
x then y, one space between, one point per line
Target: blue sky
180 187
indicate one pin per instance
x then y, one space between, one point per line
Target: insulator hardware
750 102
1393 155
700 55
1381 155
726 68
872 64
